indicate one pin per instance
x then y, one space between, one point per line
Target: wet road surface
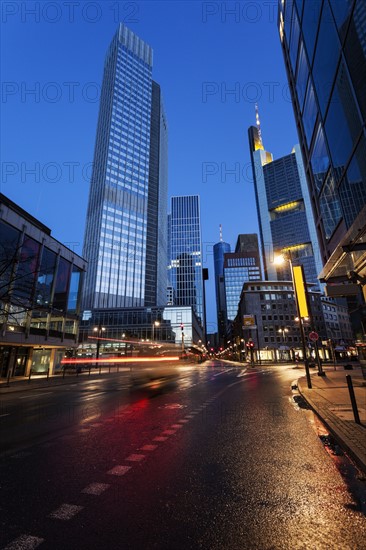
219 457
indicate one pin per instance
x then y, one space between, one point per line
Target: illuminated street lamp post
155 324
99 330
299 287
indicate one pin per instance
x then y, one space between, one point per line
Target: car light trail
121 360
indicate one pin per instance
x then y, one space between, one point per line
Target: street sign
313 336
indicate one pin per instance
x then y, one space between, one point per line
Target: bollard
353 399
63 374
30 374
9 373
308 379
48 373
89 368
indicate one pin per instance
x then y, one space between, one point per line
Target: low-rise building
40 291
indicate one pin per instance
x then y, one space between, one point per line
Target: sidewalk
330 399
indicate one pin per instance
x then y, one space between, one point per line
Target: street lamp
299 287
155 324
99 330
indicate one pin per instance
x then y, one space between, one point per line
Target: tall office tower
219 250
240 267
126 228
186 253
285 217
324 47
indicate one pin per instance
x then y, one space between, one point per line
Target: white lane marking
160 438
189 416
176 426
149 448
119 470
96 424
35 395
169 432
6 414
135 458
183 421
96 488
66 512
24 542
84 430
90 397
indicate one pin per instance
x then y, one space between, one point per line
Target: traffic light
181 326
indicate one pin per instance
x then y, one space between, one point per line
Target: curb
343 441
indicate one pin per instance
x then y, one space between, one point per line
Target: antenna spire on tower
258 122
220 233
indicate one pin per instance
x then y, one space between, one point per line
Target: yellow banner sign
300 290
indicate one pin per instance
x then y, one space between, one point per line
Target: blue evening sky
213 60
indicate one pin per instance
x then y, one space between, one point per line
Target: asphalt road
219 457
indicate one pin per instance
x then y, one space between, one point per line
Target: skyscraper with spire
285 216
126 228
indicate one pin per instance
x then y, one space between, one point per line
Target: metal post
318 360
258 347
9 373
48 373
353 399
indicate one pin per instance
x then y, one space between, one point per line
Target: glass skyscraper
126 229
324 47
219 250
285 216
240 267
186 253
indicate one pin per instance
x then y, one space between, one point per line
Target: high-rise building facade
324 47
219 250
126 229
240 267
186 253
285 216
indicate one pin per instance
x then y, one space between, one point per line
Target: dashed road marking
135 458
66 512
84 430
35 395
96 424
95 488
24 542
5 414
119 470
183 421
176 426
160 438
148 448
168 432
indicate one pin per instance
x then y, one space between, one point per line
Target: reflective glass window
9 239
62 283
352 190
310 25
355 52
319 159
329 206
302 76
45 278
326 58
288 19
27 269
299 4
342 114
310 112
294 42
341 10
